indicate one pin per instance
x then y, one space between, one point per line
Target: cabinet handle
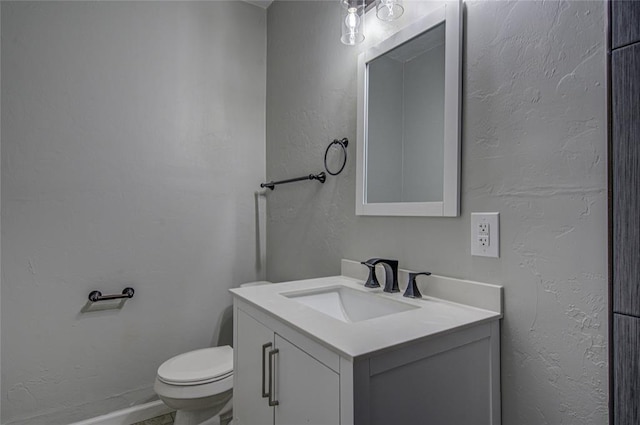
272 402
265 393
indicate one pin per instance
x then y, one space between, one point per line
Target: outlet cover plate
483 243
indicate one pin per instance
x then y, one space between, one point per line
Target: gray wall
132 144
534 149
405 148
423 144
385 131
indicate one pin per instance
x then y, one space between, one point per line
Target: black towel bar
96 296
322 177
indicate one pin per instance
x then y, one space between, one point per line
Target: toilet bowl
199 384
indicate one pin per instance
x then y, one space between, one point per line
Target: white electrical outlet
485 234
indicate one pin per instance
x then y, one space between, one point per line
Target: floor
168 420
159 420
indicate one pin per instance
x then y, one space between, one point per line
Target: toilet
199 384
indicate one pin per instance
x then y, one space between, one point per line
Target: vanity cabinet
450 378
303 390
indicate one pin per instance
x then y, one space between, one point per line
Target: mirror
409 119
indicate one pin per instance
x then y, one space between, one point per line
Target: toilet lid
198 367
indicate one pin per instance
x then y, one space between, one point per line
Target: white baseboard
130 415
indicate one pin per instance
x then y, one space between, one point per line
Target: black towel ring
343 144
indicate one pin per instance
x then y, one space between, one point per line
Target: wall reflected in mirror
405 122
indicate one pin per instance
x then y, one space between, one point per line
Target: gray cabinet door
625 217
249 406
625 85
626 370
625 18
308 392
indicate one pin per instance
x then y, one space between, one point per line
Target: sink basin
346 304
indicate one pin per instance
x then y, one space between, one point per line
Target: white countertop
435 317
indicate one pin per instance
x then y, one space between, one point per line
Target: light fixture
352 18
389 10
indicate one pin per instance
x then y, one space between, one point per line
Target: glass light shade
389 10
352 21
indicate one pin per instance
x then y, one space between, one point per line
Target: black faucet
390 272
372 280
412 289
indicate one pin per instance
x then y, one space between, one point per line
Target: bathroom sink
346 304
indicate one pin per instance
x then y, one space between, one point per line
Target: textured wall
534 149
132 143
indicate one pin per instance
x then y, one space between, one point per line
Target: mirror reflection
405 121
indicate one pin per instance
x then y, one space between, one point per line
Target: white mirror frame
451 13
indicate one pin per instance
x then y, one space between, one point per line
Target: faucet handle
412 289
372 280
390 273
